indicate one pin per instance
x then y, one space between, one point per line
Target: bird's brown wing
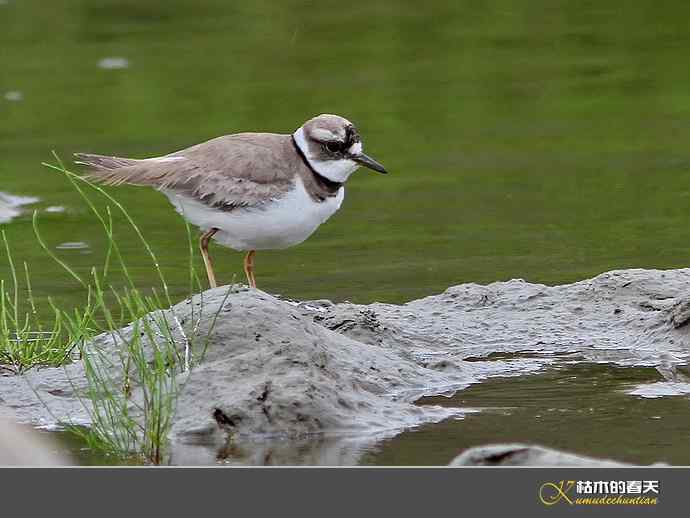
241 170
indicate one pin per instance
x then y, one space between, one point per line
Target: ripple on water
73 245
10 205
113 63
14 96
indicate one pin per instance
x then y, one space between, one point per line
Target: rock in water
527 455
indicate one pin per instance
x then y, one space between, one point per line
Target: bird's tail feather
102 162
105 169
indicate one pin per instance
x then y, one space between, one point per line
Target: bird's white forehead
356 148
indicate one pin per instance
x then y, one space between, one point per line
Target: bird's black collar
330 184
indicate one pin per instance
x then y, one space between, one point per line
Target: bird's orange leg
203 245
249 268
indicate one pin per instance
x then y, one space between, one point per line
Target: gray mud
317 382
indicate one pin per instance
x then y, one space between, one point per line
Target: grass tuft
132 383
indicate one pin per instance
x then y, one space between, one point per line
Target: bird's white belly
281 223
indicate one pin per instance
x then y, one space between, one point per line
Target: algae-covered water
547 140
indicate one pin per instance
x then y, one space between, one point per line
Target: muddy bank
626 317
335 378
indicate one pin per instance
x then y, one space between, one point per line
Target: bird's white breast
279 223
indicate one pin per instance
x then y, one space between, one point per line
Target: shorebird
250 191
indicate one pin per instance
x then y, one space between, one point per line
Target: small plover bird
250 191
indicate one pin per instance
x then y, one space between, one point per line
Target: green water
582 409
547 140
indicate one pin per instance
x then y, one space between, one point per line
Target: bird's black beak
369 162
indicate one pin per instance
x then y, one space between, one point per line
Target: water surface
547 140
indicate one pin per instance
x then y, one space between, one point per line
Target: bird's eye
333 147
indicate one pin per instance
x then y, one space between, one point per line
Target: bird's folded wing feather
242 170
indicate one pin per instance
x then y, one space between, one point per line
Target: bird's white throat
335 170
